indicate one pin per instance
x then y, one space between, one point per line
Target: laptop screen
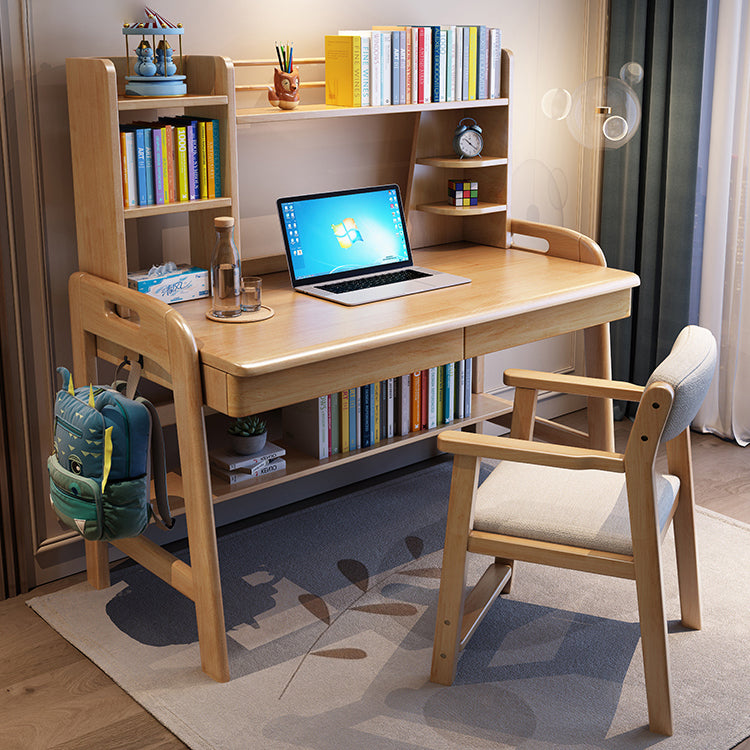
350 232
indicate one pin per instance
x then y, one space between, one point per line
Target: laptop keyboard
352 285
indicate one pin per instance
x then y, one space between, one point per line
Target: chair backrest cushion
688 368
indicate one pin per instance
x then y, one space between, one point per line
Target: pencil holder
285 91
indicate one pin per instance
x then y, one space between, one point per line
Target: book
245 474
353 411
227 460
424 398
202 165
376 51
334 418
171 176
343 66
366 418
386 67
129 174
459 369
165 158
432 375
211 147
495 63
403 396
375 429
416 401
148 149
458 63
305 426
183 187
420 55
470 63
436 64
345 421
482 60
158 155
140 162
365 64
467 391
390 408
449 393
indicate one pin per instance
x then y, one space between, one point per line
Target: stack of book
412 65
234 468
172 160
364 416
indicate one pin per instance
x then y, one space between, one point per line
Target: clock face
470 143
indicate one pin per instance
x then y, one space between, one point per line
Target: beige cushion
580 508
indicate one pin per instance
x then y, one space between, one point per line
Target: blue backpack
107 441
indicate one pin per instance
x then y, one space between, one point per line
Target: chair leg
453 576
680 463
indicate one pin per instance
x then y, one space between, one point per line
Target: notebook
351 247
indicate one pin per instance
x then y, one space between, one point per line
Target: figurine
145 64
285 91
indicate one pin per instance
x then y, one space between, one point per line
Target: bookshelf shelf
445 209
324 111
139 212
137 104
453 162
298 465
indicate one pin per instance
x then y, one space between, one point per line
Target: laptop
351 247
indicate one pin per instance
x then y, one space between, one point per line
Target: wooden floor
54 698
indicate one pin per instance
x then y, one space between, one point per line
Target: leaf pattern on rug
316 606
356 572
421 572
415 545
341 653
395 609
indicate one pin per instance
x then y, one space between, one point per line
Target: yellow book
183 188
210 177
343 70
472 61
202 166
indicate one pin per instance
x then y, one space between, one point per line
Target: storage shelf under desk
484 406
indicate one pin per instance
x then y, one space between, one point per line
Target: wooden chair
154 330
538 506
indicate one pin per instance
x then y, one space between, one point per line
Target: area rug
330 614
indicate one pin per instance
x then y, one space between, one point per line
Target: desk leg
199 510
599 365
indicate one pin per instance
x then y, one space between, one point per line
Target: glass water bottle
225 271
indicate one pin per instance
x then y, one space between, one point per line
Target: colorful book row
412 65
175 159
364 416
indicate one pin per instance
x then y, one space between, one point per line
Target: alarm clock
467 140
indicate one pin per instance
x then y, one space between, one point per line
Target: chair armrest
575 384
525 451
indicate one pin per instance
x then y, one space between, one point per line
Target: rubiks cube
461 193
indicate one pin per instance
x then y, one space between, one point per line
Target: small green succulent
247 426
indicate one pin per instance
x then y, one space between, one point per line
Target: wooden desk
311 347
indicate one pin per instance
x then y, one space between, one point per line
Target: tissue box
187 282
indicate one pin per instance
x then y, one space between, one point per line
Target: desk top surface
304 329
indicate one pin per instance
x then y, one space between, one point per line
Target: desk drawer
238 396
504 333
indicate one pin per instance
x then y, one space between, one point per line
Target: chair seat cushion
587 508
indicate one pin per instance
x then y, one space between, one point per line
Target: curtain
726 246
649 186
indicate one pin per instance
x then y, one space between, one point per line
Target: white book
386 52
459 67
483 41
432 389
243 475
427 64
228 460
495 56
376 84
404 404
450 64
442 93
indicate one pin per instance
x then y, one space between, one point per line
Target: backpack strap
158 454
158 467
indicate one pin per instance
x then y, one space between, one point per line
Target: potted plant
248 435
